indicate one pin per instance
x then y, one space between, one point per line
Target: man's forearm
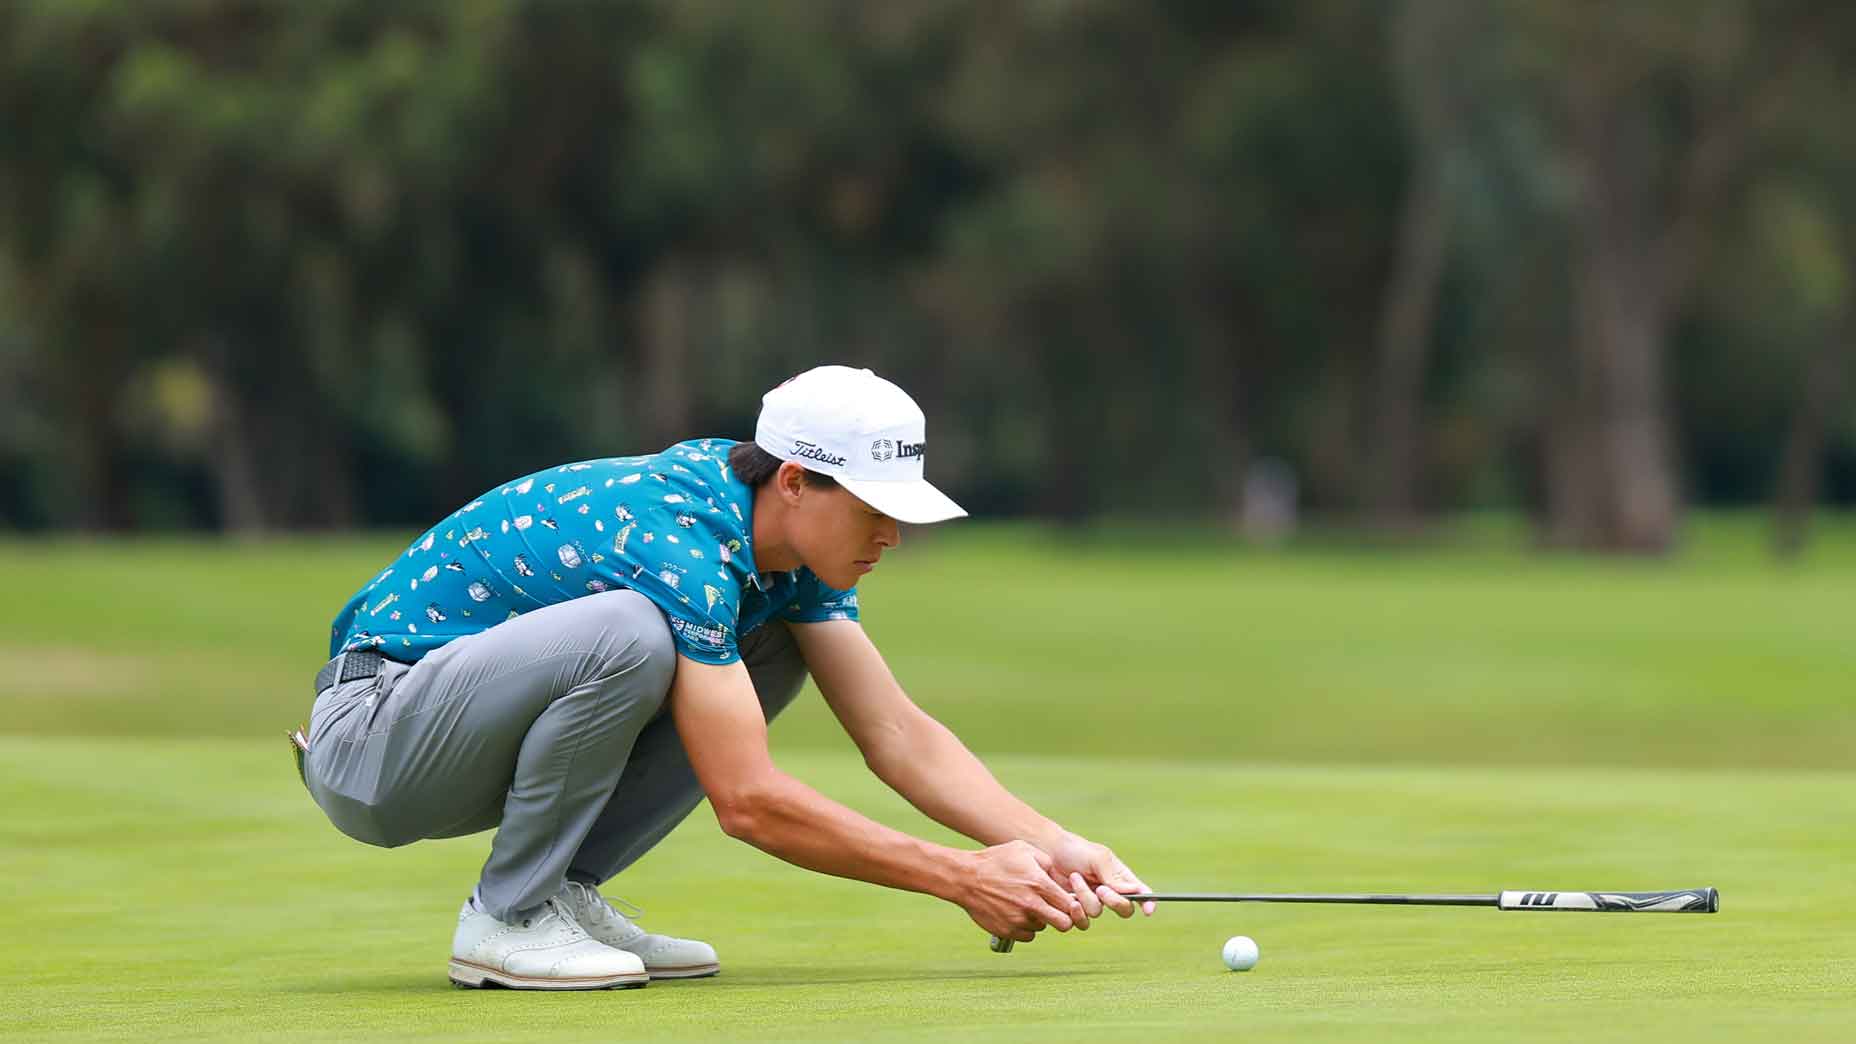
792 821
937 774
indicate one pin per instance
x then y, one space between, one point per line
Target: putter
1692 900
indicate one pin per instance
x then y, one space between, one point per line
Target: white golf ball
1240 953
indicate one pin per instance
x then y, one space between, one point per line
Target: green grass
1459 718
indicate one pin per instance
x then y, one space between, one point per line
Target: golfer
577 657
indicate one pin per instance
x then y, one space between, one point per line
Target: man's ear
789 481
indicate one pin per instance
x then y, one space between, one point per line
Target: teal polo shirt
675 526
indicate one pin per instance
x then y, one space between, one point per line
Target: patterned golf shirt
676 527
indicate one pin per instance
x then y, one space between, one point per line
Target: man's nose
889 534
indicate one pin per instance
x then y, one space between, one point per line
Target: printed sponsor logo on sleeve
698 633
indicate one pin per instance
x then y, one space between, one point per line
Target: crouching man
577 657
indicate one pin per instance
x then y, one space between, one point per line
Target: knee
655 654
638 644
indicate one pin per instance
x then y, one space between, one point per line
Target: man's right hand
1012 894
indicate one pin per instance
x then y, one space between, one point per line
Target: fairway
1316 719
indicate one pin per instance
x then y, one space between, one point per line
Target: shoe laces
558 909
603 906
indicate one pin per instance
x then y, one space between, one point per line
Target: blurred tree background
283 265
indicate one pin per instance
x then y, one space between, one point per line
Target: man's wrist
948 871
1046 835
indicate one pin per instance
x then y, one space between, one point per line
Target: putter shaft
1691 900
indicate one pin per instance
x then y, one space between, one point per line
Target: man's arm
923 760
917 756
1007 889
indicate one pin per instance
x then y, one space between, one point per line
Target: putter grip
1000 945
1692 900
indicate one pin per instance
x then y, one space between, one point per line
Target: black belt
349 666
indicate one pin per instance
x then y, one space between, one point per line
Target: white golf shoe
664 957
545 951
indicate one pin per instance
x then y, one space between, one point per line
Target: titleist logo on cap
813 451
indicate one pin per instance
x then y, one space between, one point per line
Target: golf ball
1240 953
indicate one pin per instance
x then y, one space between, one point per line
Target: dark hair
755 466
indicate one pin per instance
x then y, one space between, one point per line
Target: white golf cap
861 430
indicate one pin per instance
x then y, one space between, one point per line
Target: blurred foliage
266 264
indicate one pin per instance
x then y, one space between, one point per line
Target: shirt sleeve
701 619
813 601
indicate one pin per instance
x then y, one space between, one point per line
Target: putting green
1320 718
172 889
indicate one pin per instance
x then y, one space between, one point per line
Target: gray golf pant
551 726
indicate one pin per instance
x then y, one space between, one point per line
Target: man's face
838 536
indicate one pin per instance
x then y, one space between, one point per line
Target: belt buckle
359 665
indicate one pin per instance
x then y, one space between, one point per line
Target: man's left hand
1096 876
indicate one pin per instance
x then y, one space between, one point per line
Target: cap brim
917 503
